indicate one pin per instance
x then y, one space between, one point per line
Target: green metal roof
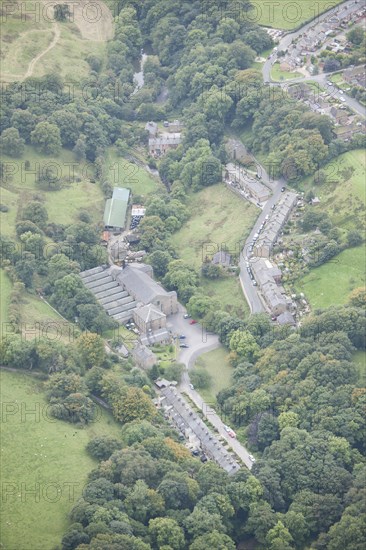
116 208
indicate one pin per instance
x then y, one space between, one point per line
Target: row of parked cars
135 220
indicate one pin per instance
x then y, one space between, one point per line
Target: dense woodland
295 396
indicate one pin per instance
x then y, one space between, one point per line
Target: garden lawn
43 454
332 283
216 363
288 15
277 74
6 287
123 173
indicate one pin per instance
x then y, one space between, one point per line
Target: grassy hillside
343 193
52 455
343 198
332 282
5 285
218 219
27 32
122 173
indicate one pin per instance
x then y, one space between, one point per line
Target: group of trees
53 267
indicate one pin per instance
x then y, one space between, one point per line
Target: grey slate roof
149 313
140 284
222 258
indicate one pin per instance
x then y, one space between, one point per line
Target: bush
200 378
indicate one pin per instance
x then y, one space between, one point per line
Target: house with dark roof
165 142
222 258
143 356
152 128
137 280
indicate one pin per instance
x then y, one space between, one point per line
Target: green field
63 206
20 177
277 74
6 286
36 449
332 282
343 194
218 218
217 365
122 173
359 358
23 38
229 293
288 15
40 319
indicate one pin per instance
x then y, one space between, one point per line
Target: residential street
199 342
285 42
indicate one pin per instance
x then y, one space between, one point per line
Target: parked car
191 386
183 345
186 316
192 322
182 337
283 189
254 282
227 429
195 452
252 458
232 434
